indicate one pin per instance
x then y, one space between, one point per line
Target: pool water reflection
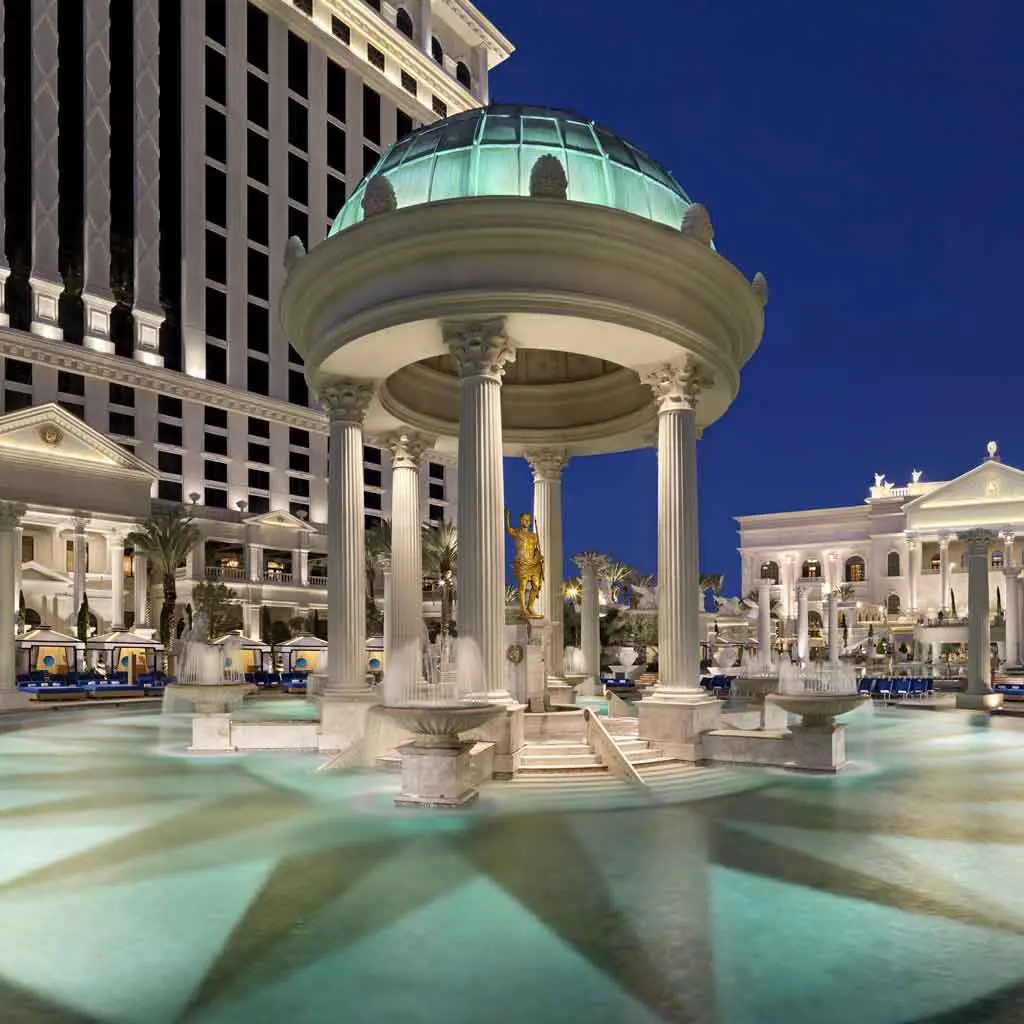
141 887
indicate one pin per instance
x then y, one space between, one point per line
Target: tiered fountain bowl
819 710
207 698
437 726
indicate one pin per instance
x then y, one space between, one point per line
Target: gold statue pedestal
526 642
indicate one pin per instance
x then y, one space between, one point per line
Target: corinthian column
913 571
45 279
979 666
97 297
406 621
147 314
10 518
590 565
677 388
1011 616
481 349
141 592
81 555
115 543
803 634
346 402
944 573
547 465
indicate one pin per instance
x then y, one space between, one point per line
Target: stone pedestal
561 694
506 733
979 701
211 734
817 749
343 719
676 726
436 776
526 645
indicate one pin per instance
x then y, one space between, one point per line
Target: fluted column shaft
547 465
677 388
764 620
141 591
97 297
45 279
590 615
115 544
389 610
913 572
833 628
481 350
944 573
5 270
346 402
19 532
406 621
80 549
10 517
803 634
1011 616
979 666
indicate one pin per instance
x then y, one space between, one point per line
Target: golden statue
528 564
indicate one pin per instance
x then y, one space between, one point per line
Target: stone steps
558 756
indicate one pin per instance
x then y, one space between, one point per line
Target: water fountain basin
207 698
438 725
818 710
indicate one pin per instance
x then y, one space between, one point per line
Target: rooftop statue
915 476
527 565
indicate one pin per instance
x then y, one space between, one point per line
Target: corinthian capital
481 348
591 560
978 540
10 514
345 399
407 448
547 463
678 385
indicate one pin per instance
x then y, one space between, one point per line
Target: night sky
868 157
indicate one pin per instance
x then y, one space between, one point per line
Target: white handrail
608 750
617 707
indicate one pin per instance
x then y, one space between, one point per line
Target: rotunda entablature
569 280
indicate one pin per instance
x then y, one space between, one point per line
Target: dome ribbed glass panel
492 151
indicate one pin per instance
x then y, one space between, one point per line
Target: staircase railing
617 707
602 743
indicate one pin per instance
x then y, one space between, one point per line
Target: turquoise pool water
141 885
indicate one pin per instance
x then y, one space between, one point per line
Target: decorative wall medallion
992 489
515 653
51 435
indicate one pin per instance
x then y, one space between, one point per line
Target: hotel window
298 179
121 423
298 125
18 372
294 357
70 383
215 497
215 417
335 195
435 514
259 274
69 556
169 490
169 462
374 56
462 76
168 433
298 224
336 148
371 114
298 461
298 65
370 158
259 504
259 453
74 408
936 562
855 570
336 92
121 394
216 196
436 492
298 392
15 400
167 406
373 500
216 318
408 83
372 477
306 6
257 100
257 154
375 4
258 427
298 438
258 328
216 22
257 38
371 522
216 135
259 479
215 471
437 50
215 444
371 455
435 470
340 30
299 509
216 76
770 571
216 363
216 257
258 375
892 604
439 106
892 564
403 124
997 559
298 487
811 570
404 23
28 548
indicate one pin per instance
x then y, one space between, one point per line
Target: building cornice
498 46
853 511
64 356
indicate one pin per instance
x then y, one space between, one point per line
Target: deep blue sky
868 157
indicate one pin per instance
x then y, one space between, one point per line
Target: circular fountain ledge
818 710
438 725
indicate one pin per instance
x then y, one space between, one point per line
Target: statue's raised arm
508 523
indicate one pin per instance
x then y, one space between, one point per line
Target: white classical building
206 133
902 553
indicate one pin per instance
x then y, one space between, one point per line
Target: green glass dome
491 152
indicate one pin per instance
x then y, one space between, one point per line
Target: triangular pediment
280 519
990 483
36 571
52 434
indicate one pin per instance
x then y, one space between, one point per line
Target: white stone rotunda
517 281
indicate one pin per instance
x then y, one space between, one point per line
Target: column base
343 719
436 777
987 700
46 308
97 322
679 694
147 337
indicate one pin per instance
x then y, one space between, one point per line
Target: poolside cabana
125 651
305 653
253 652
46 650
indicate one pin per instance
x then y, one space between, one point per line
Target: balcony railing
275 576
216 572
318 581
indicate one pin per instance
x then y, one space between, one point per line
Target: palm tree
572 589
844 592
613 576
165 540
377 547
440 559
